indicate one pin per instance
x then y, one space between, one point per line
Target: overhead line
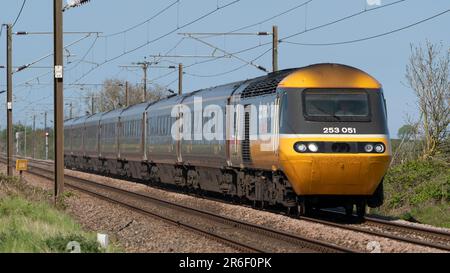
296 34
85 55
27 82
157 39
299 33
342 19
20 13
169 84
50 54
233 53
236 30
227 53
272 17
374 36
230 71
142 23
308 30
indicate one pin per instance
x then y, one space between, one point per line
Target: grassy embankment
419 190
28 223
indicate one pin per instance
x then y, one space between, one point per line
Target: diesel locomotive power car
329 142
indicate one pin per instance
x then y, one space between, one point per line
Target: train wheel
349 210
303 209
361 209
289 211
300 210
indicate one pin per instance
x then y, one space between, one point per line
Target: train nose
339 172
335 175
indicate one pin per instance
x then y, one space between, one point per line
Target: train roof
111 114
322 75
94 118
222 91
329 75
79 121
137 109
166 102
68 122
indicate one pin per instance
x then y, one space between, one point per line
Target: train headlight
301 148
379 148
313 147
368 148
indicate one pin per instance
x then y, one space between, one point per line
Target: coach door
144 136
179 131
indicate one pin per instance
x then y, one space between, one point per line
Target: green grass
418 190
29 224
436 215
27 227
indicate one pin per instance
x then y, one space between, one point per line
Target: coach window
130 128
159 126
138 129
168 125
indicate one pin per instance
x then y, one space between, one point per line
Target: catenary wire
374 36
20 13
157 39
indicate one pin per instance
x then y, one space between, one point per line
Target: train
304 138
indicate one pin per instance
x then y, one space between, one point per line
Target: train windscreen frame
336 105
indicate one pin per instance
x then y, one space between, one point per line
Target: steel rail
304 244
431 238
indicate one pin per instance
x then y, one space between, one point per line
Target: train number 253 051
337 130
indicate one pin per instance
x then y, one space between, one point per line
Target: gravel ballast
350 239
134 232
138 233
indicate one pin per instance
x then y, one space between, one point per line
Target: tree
38 137
428 75
406 132
112 95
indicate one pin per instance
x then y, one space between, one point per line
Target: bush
36 227
59 243
416 183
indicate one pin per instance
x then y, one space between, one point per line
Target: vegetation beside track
30 224
417 187
419 190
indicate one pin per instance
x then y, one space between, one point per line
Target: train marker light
368 148
300 148
379 148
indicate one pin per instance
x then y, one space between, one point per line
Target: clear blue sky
385 57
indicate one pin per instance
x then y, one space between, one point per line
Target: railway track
437 239
411 234
242 236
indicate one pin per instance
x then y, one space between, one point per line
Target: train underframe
260 188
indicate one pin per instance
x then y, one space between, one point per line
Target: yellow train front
334 144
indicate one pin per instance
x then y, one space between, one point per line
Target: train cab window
336 105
